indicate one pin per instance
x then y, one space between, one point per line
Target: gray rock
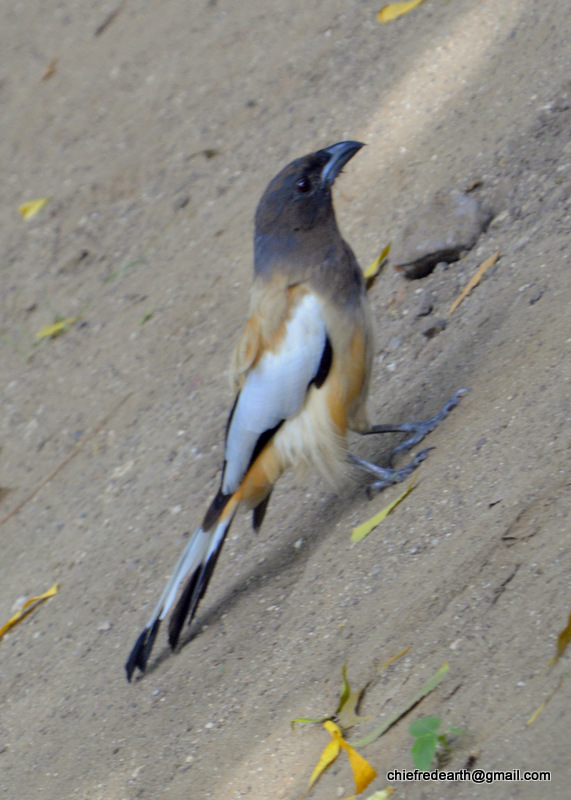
433 328
425 305
440 230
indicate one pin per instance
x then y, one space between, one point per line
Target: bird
301 373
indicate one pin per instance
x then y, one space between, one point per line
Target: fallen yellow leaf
365 528
31 208
375 267
27 608
394 10
327 757
563 639
474 280
363 772
51 331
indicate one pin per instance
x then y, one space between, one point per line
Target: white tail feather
192 556
200 547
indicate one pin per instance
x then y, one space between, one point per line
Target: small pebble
499 218
19 604
425 306
433 328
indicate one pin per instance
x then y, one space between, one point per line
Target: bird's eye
304 185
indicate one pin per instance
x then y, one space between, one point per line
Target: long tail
196 563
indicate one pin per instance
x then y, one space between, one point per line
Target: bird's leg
418 429
387 476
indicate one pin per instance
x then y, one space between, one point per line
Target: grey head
295 218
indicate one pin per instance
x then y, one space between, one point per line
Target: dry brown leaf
50 69
347 715
474 280
540 708
392 659
4 492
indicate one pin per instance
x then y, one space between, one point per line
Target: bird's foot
418 429
385 476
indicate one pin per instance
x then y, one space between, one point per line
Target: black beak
338 155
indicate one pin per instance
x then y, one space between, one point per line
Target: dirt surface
154 136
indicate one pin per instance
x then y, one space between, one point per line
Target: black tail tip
140 653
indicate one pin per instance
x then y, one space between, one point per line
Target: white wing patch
275 389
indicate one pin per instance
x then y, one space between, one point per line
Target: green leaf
428 687
345 689
346 712
424 725
423 751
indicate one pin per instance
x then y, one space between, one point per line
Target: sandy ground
154 137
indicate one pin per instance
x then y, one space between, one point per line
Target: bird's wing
275 387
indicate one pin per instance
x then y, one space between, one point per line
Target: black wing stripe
324 365
263 439
259 512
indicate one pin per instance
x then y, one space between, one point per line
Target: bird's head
298 200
